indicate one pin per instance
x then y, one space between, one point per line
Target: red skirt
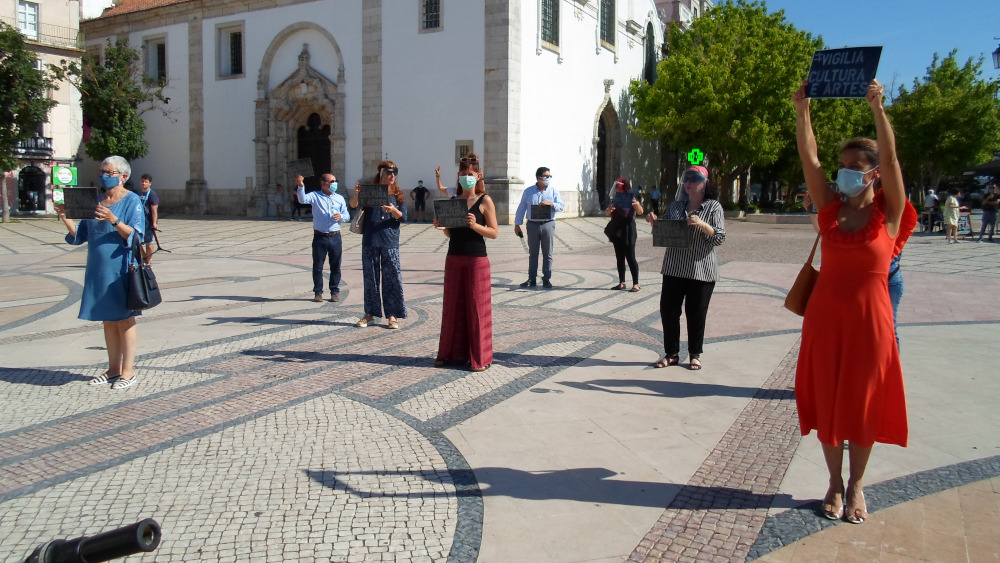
467 312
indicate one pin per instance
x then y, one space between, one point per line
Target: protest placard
672 233
302 167
451 213
842 73
623 200
541 212
373 195
81 203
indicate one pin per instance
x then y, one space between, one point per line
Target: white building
256 84
51 30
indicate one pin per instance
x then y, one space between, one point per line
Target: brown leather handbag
798 296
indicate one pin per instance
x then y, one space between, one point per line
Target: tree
22 107
726 87
114 95
949 120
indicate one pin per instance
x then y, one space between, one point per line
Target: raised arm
437 176
889 172
805 139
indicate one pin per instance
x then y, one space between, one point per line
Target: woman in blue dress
380 267
117 221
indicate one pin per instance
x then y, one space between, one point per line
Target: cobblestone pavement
265 427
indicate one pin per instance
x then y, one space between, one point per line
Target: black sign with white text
842 73
451 213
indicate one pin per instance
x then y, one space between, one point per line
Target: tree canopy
949 120
726 86
23 100
114 94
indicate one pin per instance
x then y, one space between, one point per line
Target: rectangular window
607 22
27 19
550 22
230 50
462 148
155 51
431 14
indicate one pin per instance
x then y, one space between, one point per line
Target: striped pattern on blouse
697 262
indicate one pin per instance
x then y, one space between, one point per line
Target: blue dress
105 286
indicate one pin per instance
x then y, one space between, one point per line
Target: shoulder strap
812 253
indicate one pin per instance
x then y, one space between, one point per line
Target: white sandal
364 321
123 384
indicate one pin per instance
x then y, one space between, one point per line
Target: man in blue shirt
540 201
329 210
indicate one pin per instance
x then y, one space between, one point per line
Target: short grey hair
119 164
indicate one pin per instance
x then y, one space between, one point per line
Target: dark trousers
626 252
695 295
322 248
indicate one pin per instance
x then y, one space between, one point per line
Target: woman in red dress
848 383
467 312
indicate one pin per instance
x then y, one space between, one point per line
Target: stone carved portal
280 114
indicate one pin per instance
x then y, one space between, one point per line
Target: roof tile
129 6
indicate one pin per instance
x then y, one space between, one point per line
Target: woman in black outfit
622 233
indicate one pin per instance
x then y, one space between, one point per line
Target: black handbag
143 291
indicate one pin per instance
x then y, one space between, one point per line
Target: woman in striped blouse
689 274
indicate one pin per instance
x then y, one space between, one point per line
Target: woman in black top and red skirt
467 312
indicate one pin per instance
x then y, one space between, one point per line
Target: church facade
259 84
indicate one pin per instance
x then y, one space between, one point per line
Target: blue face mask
852 182
333 186
467 182
108 182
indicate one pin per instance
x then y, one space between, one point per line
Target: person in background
279 202
151 205
950 216
380 265
849 380
541 231
991 203
329 210
467 312
931 209
689 274
419 196
444 190
622 233
118 223
654 200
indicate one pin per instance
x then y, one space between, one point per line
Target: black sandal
692 365
667 361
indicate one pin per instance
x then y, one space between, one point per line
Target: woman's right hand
357 188
799 99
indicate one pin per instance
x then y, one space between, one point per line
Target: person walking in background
950 216
991 203
380 265
654 200
419 196
689 274
849 381
467 311
931 209
151 208
541 227
279 202
622 233
118 223
329 210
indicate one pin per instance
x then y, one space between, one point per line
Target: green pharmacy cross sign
695 157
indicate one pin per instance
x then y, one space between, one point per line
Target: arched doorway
608 144
31 189
314 144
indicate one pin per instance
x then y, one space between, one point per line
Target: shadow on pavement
40 377
590 484
678 389
504 359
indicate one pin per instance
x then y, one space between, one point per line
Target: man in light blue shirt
329 210
540 202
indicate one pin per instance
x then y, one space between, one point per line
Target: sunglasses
693 177
388 170
467 160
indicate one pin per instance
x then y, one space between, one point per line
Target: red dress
849 383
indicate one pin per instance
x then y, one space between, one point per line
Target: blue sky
910 31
